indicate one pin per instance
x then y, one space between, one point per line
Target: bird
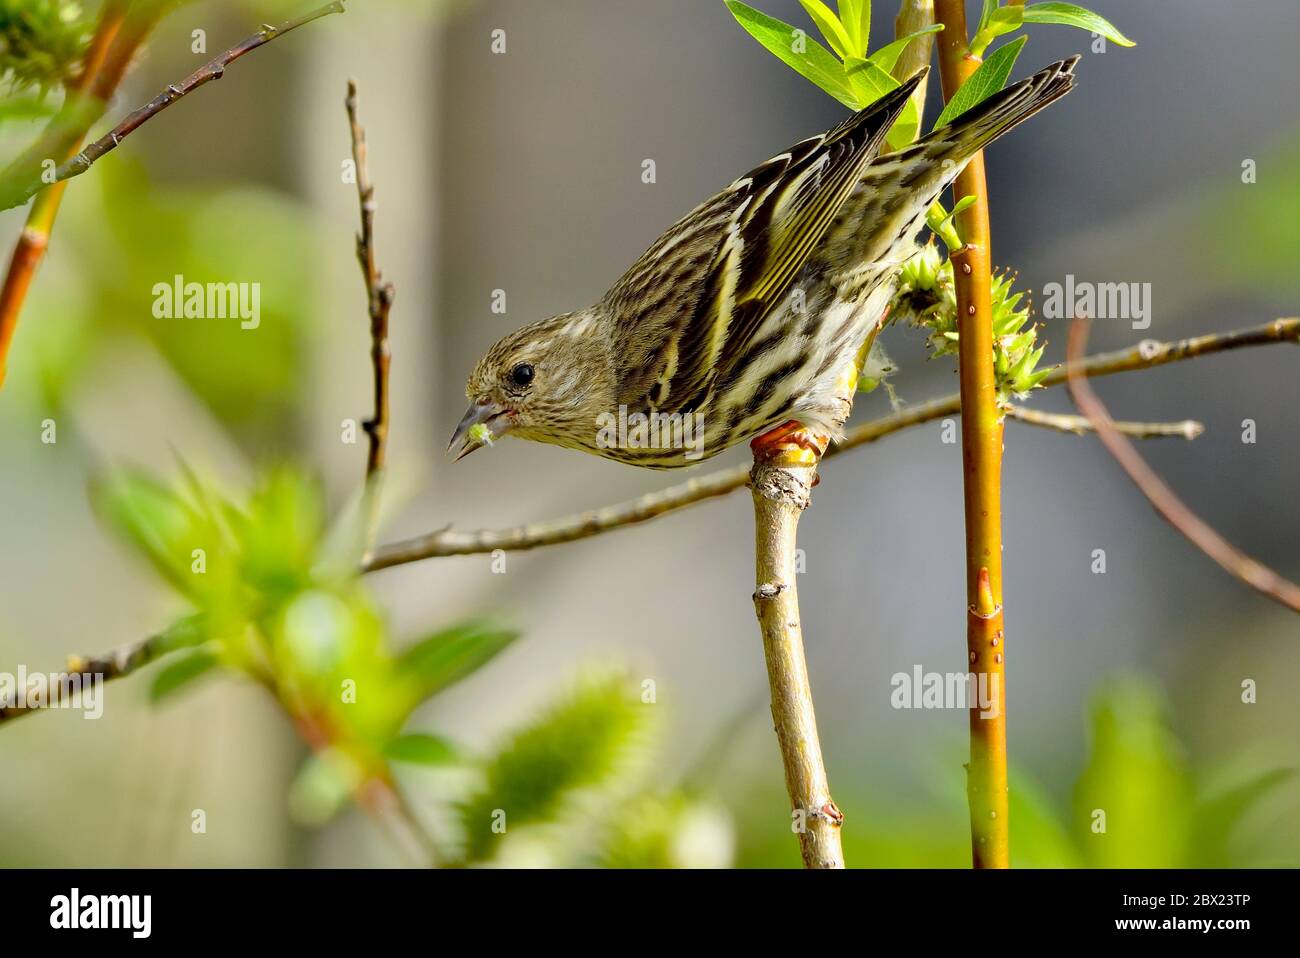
741 316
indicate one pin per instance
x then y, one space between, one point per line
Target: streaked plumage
745 311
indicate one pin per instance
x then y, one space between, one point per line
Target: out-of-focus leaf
1136 782
989 78
829 24
1214 818
814 62
449 656
581 743
668 832
420 748
180 672
151 517
1075 16
1038 837
322 787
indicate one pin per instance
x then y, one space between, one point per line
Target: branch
379 294
214 69
1062 422
445 542
448 542
982 428
118 35
1166 502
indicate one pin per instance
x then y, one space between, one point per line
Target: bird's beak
493 416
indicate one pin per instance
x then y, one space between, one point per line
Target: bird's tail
879 222
984 123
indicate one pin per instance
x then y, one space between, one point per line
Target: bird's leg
790 444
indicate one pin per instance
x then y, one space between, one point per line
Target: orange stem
981 428
117 37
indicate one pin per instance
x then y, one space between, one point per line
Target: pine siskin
742 315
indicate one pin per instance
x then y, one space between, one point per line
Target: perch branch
1145 355
1166 502
449 542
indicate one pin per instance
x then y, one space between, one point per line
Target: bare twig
1079 425
1166 502
214 69
379 294
446 542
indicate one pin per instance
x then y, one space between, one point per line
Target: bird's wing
737 256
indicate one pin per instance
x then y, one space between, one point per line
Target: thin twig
379 294
214 69
1166 502
1079 425
445 542
449 542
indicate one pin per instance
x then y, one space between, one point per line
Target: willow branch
1166 502
214 69
446 542
982 429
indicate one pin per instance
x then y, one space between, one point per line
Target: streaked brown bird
742 315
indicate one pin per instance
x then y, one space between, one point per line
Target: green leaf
870 83
986 14
449 656
887 56
180 672
830 26
814 62
856 17
1074 16
582 743
419 748
1215 818
1002 21
161 526
983 83
868 80
1137 778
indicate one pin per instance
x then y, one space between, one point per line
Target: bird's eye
522 375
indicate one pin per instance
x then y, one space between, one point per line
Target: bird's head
547 382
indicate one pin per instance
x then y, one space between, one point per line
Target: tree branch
379 294
214 69
1079 425
445 542
1166 502
448 542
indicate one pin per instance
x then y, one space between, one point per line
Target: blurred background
521 171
